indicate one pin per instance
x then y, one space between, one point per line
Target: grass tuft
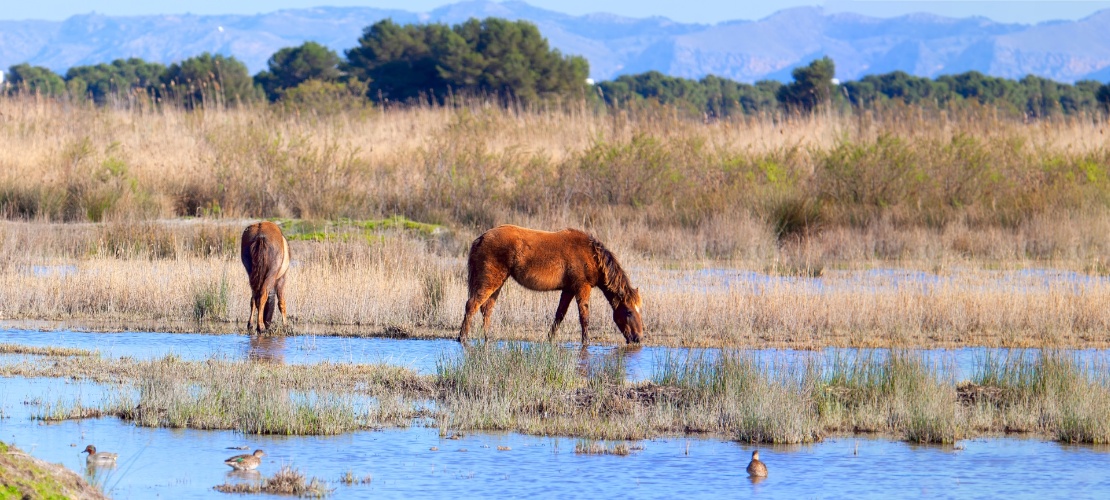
287 481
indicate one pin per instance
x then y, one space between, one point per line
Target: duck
246 462
756 468
102 457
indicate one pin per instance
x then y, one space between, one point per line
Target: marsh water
183 463
422 355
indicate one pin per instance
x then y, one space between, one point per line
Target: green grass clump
210 301
239 397
1050 392
493 387
899 392
344 229
735 394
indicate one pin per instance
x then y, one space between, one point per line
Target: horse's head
627 317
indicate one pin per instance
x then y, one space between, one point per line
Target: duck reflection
245 476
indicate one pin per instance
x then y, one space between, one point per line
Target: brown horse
569 260
265 255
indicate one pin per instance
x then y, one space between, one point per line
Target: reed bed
545 389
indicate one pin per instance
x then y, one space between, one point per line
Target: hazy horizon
1024 12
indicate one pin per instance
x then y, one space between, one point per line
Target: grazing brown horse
265 255
569 260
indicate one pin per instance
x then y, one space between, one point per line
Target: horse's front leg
583 299
560 312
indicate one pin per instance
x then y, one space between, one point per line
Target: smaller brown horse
569 260
265 255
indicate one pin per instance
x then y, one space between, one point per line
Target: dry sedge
587 447
56 272
43 351
287 481
350 479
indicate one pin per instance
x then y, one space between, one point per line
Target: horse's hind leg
487 308
476 300
471 308
561 312
261 324
250 317
280 288
487 284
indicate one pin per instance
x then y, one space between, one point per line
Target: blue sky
703 11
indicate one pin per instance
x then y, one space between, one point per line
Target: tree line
513 62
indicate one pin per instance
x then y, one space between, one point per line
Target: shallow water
188 463
423 355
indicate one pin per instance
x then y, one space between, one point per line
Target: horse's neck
611 278
613 294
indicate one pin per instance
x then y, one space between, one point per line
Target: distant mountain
921 44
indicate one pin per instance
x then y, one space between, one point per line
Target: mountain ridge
745 50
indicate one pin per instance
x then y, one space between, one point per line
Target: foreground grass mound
28 478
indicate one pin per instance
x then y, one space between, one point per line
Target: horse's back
540 260
264 245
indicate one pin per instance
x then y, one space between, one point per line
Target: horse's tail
472 263
264 255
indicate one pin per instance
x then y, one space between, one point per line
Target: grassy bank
548 390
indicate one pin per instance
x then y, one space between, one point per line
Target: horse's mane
613 279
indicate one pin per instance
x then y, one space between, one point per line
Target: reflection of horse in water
266 348
265 255
569 260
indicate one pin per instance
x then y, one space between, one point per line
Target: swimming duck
755 467
102 457
245 462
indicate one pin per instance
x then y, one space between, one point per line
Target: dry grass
287 481
350 479
411 282
43 351
652 179
587 447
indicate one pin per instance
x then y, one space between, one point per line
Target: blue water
422 355
183 463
